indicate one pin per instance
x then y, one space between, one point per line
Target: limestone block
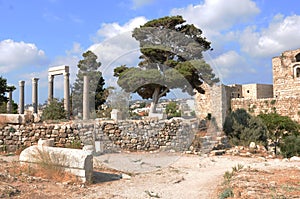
116 114
75 161
12 119
48 142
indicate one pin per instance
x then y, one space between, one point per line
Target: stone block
12 119
75 161
48 142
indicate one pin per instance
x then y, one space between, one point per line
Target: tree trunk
155 98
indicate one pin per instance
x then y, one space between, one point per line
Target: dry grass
253 183
48 167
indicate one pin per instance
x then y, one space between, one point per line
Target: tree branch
165 91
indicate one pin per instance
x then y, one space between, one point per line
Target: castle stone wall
285 82
215 101
286 106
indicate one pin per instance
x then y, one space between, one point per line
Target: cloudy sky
38 34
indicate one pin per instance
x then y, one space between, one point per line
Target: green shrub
290 146
54 111
226 193
242 128
279 127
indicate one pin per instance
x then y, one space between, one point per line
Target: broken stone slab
75 161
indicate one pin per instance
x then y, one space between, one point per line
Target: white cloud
109 30
280 35
217 15
118 46
14 55
227 65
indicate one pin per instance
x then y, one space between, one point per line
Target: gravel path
171 175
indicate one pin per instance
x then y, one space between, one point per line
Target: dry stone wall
113 136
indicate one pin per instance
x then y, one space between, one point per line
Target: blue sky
38 34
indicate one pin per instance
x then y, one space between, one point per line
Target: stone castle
283 97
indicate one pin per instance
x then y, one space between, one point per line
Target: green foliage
242 128
90 67
290 146
3 89
3 99
172 110
54 111
279 127
273 102
171 58
227 193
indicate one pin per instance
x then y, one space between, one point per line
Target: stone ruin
283 97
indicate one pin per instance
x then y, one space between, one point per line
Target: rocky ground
162 175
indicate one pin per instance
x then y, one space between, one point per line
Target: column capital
50 78
21 83
35 79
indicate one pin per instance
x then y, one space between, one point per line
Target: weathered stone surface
48 142
78 162
12 119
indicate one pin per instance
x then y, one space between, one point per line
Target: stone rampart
283 106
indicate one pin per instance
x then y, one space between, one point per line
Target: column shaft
50 88
9 103
35 94
67 94
85 109
21 97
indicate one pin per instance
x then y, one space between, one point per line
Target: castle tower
286 74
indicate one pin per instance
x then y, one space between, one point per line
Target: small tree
172 110
279 127
290 146
89 66
3 89
54 111
242 128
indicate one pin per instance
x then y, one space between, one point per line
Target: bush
290 146
227 193
242 128
54 111
279 127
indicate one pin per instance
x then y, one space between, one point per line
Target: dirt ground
161 176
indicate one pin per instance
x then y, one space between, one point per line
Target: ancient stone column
50 88
86 100
21 97
35 94
9 103
67 93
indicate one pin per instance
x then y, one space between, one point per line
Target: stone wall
215 101
113 136
285 106
257 91
285 80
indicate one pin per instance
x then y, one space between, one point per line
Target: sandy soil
136 175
